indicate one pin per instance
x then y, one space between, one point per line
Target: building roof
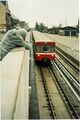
68 28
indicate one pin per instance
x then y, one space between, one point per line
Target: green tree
24 24
37 27
43 28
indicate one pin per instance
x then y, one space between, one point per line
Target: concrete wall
14 69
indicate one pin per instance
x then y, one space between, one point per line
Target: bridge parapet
14 72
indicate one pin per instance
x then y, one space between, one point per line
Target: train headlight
52 55
38 55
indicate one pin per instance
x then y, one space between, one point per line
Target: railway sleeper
51 106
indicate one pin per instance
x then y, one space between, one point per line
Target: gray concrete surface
14 69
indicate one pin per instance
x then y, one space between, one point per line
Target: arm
26 45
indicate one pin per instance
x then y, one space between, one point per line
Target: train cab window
46 49
38 49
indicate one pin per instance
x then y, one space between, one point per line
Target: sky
49 12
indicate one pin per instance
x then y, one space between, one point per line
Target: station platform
14 72
68 44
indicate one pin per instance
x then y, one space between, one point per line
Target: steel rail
69 76
48 95
76 67
72 107
66 54
77 96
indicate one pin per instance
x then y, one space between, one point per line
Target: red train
44 47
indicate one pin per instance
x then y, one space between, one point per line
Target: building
3 10
54 30
68 31
7 19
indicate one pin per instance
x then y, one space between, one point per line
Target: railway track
69 86
69 76
72 68
59 105
69 59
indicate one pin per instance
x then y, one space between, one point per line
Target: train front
44 47
44 51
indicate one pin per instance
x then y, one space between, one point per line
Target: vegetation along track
69 87
58 105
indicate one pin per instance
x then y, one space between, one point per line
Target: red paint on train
45 43
44 47
41 56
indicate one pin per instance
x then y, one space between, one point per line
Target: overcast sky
50 12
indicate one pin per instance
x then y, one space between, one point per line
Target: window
38 48
44 49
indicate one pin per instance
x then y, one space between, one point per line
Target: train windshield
46 49
49 49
